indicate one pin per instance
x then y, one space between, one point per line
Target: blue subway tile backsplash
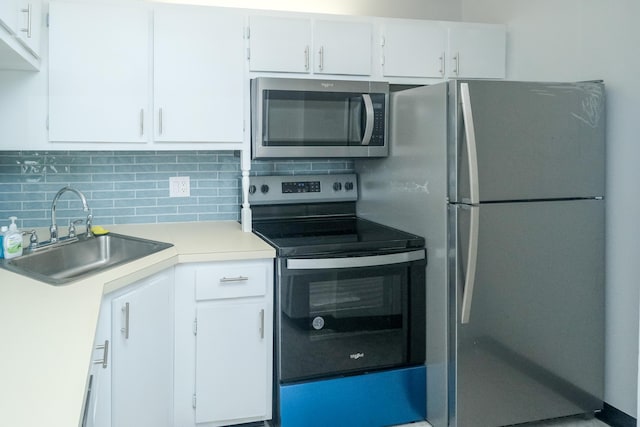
133 187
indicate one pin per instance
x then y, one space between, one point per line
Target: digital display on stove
301 187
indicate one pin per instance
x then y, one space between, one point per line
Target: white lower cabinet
224 343
131 381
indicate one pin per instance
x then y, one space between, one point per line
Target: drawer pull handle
233 279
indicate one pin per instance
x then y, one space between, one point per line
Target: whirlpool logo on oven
356 356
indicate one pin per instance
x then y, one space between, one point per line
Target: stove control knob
264 188
348 185
252 189
337 186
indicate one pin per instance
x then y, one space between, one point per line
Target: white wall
419 9
581 40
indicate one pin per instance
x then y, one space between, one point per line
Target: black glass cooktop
333 235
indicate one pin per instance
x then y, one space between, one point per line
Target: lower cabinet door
142 367
231 362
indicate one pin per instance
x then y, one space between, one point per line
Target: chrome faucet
53 229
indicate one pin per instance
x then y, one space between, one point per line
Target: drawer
231 281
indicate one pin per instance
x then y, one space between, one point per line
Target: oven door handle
354 262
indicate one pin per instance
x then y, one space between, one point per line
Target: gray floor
570 422
580 421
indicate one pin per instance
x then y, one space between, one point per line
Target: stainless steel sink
64 263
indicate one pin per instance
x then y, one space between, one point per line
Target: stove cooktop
316 215
333 235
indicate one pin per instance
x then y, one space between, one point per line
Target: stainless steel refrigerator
505 180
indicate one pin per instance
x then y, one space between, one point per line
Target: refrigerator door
532 141
532 346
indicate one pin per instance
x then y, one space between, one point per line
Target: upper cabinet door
413 48
342 47
477 51
198 74
279 44
99 72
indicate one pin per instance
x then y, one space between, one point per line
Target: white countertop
47 332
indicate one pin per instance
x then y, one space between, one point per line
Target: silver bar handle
27 30
233 279
125 329
368 128
321 57
306 58
105 355
351 262
142 122
472 152
456 61
472 258
262 324
160 121
442 63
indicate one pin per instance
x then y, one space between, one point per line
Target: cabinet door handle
160 121
28 29
306 58
105 355
262 324
233 279
456 61
142 122
321 57
442 62
125 329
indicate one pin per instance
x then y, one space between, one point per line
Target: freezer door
532 346
528 141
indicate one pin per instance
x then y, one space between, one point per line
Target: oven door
345 315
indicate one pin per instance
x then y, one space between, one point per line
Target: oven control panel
281 189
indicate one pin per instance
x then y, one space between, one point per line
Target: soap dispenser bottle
12 241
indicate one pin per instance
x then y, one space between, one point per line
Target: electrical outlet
179 186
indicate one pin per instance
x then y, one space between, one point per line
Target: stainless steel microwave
298 118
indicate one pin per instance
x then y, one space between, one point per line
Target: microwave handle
370 118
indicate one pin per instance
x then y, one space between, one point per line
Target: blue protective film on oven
377 399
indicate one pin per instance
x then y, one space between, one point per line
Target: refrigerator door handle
472 153
472 258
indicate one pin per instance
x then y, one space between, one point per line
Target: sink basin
64 263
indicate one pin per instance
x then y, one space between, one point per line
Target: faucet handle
72 227
89 223
33 238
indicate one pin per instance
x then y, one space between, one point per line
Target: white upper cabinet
20 32
279 44
413 48
198 74
476 51
306 45
9 15
342 47
99 72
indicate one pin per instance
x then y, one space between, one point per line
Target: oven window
339 321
